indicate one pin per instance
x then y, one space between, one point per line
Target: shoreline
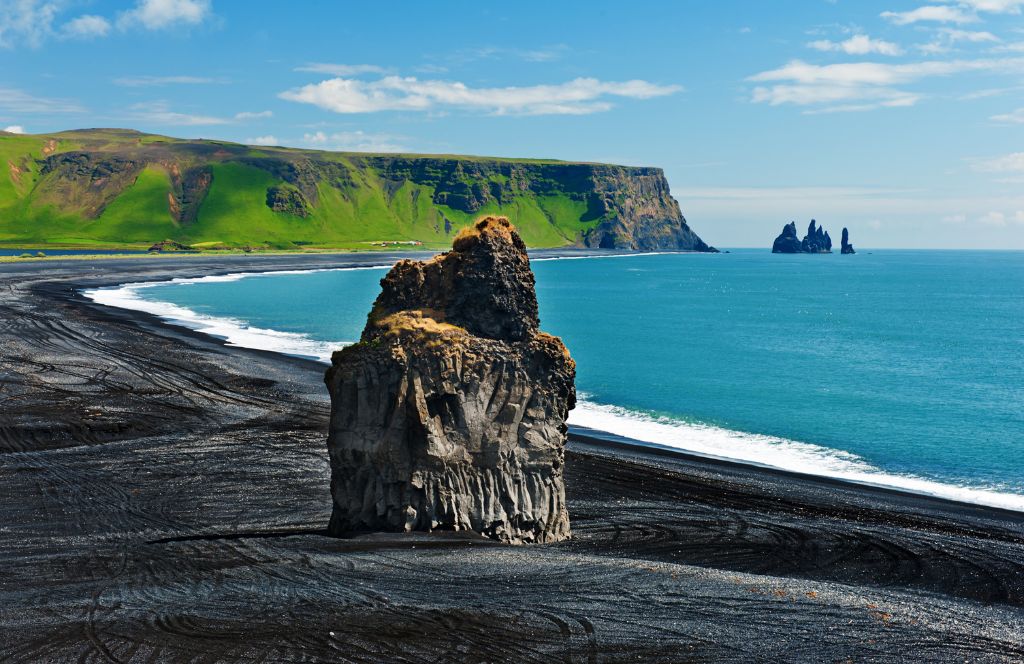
270 340
164 495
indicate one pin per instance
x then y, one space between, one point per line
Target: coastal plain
165 498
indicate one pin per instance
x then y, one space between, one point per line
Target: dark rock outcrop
169 245
85 181
450 412
846 247
287 199
788 241
817 240
188 191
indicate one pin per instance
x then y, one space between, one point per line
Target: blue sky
901 120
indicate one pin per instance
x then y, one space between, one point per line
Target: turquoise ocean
890 367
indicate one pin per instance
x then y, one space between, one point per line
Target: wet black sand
162 499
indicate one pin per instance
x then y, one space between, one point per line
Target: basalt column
449 414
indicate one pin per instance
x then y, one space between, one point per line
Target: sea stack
817 240
449 414
846 247
788 241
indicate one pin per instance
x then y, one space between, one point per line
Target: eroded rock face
450 412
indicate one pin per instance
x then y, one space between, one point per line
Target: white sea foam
699 439
234 332
772 452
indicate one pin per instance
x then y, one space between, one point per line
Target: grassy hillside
121 188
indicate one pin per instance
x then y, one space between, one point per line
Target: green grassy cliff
117 188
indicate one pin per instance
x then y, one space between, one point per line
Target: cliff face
450 412
193 191
625 207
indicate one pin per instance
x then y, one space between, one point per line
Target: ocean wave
237 276
773 452
232 331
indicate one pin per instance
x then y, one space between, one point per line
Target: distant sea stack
817 240
449 414
788 241
846 247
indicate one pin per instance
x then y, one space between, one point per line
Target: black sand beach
163 498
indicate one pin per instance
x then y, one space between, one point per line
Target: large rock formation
788 241
450 411
846 247
817 240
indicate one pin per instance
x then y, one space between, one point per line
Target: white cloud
28 21
1013 117
934 48
954 11
938 13
159 112
807 95
341 70
491 52
145 81
543 54
15 129
354 141
858 45
161 14
13 100
393 93
87 26
871 73
945 38
870 83
788 193
1008 163
430 68
32 21
890 99
992 219
976 36
993 6
250 115
987 92
263 140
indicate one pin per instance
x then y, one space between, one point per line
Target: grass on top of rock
493 223
419 324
